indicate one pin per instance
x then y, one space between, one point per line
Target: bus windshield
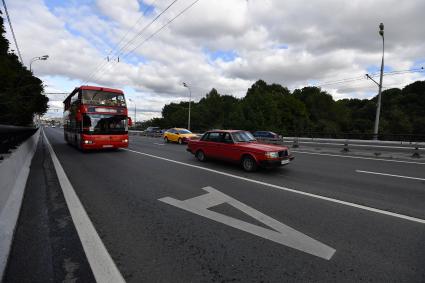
98 97
104 124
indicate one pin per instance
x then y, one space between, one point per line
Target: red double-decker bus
96 118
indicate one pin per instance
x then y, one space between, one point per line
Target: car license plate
285 161
107 145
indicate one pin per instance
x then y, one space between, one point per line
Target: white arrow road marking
281 233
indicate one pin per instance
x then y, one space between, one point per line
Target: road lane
328 176
152 241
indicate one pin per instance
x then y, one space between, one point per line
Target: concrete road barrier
14 172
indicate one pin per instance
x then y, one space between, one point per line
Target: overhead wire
121 40
360 78
160 29
122 48
13 33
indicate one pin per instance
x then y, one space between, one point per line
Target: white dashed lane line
359 157
390 175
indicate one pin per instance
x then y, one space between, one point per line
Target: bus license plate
285 161
107 145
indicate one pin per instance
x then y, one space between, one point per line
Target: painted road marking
358 157
281 233
101 263
158 143
390 175
346 203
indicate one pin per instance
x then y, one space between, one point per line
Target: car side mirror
178 134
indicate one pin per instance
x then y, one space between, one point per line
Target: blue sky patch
373 69
146 9
224 55
418 64
313 82
281 46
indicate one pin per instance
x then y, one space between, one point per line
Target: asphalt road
152 239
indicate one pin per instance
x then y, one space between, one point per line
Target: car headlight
272 154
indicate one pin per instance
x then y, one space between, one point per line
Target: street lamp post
378 108
190 99
135 113
44 58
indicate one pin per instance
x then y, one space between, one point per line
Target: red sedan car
239 147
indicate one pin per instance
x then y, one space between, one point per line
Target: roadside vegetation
308 110
21 93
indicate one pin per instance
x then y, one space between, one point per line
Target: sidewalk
46 247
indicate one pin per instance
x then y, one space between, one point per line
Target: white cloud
326 40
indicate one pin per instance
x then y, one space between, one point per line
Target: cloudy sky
226 44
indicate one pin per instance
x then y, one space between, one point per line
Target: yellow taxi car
178 135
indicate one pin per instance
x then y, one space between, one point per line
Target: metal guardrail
12 136
357 136
346 145
412 148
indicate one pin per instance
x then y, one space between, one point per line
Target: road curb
14 173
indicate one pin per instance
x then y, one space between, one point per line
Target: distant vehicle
239 147
179 135
151 131
53 126
266 135
96 118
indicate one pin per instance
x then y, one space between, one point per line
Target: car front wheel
200 155
249 164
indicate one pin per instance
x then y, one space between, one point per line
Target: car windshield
243 136
104 124
184 131
98 97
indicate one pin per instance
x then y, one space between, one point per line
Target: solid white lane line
101 263
390 175
358 157
380 211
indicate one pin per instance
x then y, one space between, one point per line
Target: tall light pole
134 111
190 99
43 58
378 108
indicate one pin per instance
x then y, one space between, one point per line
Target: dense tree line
307 110
20 92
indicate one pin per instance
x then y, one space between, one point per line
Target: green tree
20 92
412 103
